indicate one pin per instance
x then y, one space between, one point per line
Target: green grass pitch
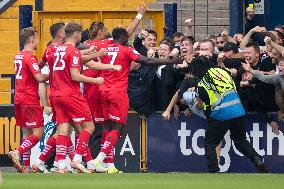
145 181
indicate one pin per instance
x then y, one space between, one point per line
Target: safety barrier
156 145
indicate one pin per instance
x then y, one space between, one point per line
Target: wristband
139 16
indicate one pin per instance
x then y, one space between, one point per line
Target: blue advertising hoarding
178 146
127 150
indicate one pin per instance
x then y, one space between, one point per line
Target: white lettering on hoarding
257 141
183 133
127 146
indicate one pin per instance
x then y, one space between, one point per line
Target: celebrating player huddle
105 65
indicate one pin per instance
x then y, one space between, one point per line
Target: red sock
26 156
110 157
30 142
104 134
87 154
48 149
82 142
61 147
110 141
70 148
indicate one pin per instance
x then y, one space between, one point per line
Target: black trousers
214 134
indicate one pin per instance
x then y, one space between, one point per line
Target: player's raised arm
157 61
140 13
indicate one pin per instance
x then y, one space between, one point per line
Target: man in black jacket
140 88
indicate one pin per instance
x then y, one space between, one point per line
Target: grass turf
137 181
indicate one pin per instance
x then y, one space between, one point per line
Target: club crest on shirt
75 60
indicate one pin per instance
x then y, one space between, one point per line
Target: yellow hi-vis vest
225 104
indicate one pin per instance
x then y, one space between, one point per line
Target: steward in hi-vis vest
224 111
224 100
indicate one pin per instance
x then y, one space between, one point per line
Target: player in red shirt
29 115
70 106
115 102
58 38
91 92
98 37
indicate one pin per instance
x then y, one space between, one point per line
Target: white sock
90 165
68 166
101 157
62 164
77 158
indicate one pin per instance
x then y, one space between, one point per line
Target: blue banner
178 146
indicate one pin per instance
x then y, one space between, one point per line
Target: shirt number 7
114 55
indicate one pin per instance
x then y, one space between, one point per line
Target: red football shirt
66 57
48 56
118 55
91 72
26 86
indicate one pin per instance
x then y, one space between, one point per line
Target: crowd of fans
151 88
